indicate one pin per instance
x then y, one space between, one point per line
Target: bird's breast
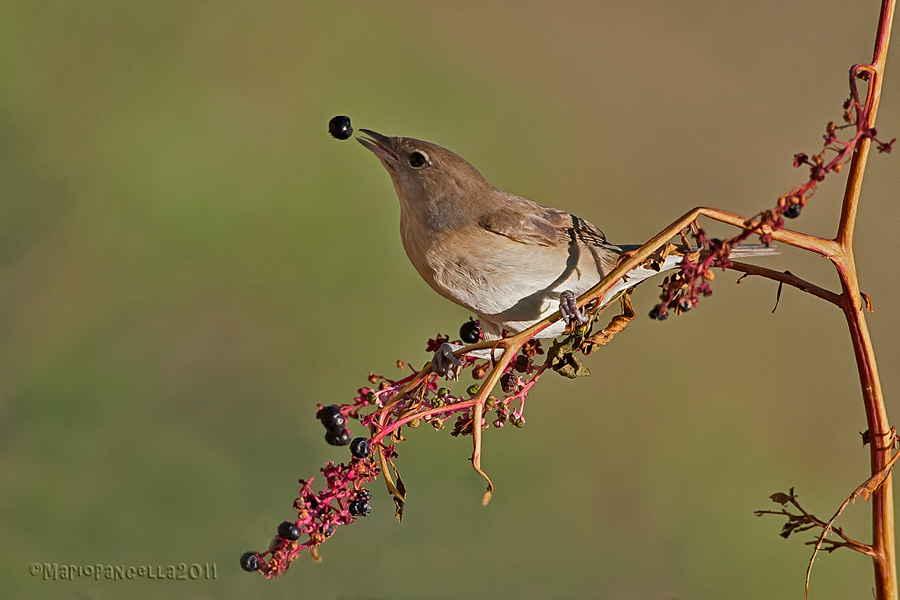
494 276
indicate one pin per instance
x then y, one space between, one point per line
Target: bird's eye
417 160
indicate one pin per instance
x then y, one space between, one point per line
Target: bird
509 260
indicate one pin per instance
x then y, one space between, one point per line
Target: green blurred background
188 263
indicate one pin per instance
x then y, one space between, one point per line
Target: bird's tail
754 250
739 251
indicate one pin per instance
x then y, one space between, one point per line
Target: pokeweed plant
517 362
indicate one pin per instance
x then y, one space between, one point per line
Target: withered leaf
399 492
781 498
778 296
868 302
398 509
572 367
563 360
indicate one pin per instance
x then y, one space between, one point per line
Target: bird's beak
379 144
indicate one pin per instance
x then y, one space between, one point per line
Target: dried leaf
778 296
398 508
874 482
617 324
782 498
394 490
400 495
868 302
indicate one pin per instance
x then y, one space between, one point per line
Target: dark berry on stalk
657 315
793 211
360 508
521 364
250 561
339 127
508 382
338 439
328 531
470 332
359 447
364 495
332 418
289 531
685 305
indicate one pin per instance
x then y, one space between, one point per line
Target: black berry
470 332
508 382
339 127
359 447
657 315
793 211
521 364
338 439
364 495
360 508
250 562
332 418
328 531
685 305
289 531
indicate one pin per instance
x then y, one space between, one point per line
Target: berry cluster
319 514
410 400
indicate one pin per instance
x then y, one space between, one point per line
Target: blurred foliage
188 263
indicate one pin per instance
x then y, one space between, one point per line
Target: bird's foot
444 363
569 309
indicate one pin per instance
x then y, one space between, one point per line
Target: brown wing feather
524 224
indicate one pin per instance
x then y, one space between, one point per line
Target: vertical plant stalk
880 436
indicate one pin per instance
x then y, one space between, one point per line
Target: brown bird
509 260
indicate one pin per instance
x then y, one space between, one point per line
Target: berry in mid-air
250 561
341 438
470 332
289 531
359 447
332 418
339 127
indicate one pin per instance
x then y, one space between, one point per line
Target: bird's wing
531 223
525 223
528 222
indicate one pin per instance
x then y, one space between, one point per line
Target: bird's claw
569 309
444 363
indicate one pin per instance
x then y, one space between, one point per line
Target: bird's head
425 174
